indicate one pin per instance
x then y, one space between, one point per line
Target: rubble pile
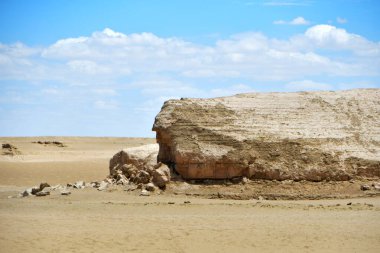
138 166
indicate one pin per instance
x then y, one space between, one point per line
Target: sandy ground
81 159
119 221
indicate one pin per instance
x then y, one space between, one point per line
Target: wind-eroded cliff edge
311 136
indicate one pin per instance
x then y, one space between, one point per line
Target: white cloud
299 21
105 105
324 34
341 20
18 49
331 37
296 21
306 85
87 67
174 66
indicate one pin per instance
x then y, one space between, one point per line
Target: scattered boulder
150 187
95 184
26 193
43 186
65 192
129 170
142 177
144 193
376 186
245 180
35 189
365 187
109 180
42 193
130 187
121 179
103 186
79 185
47 189
161 175
56 187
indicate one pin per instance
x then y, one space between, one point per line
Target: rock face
301 136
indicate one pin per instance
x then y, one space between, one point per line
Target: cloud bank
109 71
107 56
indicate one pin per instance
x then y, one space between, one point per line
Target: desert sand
118 221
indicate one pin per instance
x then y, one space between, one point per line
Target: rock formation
131 160
139 166
300 136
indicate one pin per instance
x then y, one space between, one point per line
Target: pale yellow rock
302 135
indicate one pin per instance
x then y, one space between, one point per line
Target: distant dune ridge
315 136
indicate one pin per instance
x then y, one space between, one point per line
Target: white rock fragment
103 185
150 187
65 192
95 184
121 179
56 187
79 185
26 193
144 193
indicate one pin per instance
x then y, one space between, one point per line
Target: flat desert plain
119 221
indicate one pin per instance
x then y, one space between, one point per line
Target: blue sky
104 68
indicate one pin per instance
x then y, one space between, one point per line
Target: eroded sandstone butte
301 136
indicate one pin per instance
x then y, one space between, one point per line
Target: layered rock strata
300 136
